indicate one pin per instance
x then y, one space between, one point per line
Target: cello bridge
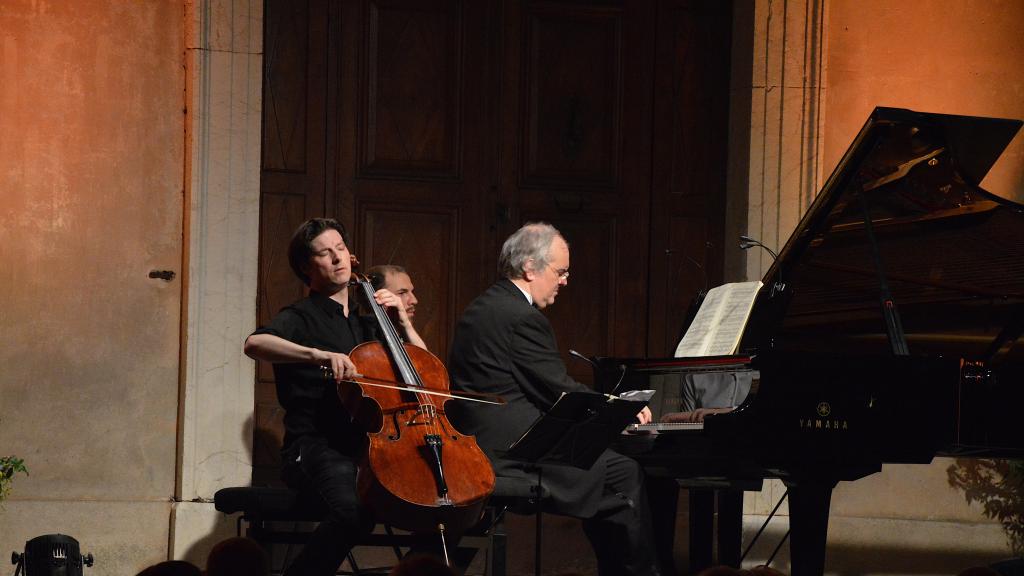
427 411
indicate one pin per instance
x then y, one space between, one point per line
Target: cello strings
401 358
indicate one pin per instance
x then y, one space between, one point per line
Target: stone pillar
224 91
777 115
776 120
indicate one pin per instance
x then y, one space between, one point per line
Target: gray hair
531 242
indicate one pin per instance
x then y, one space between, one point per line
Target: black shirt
312 408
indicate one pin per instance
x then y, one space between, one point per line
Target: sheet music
638 395
718 326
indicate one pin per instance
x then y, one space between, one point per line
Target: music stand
575 432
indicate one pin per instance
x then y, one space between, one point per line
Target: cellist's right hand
340 364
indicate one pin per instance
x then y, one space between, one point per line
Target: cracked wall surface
91 158
131 144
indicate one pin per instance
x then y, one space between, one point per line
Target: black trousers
327 476
620 532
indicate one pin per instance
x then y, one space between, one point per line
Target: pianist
504 345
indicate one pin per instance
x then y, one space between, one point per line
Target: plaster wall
946 56
224 59
91 201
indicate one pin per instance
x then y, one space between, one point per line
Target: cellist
322 446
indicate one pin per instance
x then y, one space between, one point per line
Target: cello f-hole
450 433
398 429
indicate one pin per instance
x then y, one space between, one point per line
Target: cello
418 473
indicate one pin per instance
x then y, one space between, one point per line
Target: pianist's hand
644 417
693 416
676 417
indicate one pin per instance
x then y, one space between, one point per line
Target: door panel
572 93
689 153
410 113
425 242
286 91
412 163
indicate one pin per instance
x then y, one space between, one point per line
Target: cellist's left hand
395 307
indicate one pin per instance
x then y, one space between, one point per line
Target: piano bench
277 515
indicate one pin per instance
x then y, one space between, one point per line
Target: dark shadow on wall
226 525
267 441
740 94
998 485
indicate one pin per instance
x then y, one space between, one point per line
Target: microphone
594 366
746 242
582 357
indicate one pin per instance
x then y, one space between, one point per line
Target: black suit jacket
505 346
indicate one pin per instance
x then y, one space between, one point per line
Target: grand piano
887 330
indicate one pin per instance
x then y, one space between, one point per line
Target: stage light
51 555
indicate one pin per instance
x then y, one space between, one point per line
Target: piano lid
952 253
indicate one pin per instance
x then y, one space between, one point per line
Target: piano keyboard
664 427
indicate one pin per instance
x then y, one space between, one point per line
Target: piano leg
809 503
730 526
663 498
702 519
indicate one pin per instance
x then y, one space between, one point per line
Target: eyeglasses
563 273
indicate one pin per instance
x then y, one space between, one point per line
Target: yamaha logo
823 422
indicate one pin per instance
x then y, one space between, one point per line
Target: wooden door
688 156
375 113
435 128
292 182
412 156
575 151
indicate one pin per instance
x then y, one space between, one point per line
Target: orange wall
948 56
91 179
